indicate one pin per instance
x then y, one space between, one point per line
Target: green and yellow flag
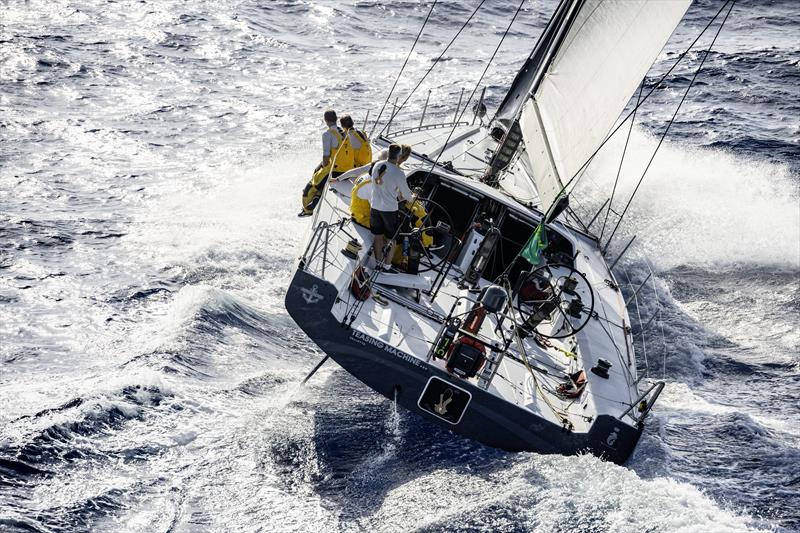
532 251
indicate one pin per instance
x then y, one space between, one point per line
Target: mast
529 76
524 85
583 70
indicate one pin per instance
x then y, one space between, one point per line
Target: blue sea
151 160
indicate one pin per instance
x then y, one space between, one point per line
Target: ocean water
151 160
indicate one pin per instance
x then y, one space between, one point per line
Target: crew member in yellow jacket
360 195
362 149
339 149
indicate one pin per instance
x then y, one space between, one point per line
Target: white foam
549 493
701 206
227 220
680 397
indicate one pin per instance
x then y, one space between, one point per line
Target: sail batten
597 53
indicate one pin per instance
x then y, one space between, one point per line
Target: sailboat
504 322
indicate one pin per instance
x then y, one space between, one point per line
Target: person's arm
350 174
402 187
326 149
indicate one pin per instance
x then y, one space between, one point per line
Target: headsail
584 69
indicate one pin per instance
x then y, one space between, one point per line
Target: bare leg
390 253
377 246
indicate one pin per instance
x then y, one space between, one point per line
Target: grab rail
427 127
658 386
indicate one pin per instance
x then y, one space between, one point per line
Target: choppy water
152 155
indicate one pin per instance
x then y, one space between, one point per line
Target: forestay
582 79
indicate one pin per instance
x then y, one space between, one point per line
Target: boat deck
410 323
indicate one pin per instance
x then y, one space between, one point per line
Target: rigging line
621 161
639 316
669 124
374 274
664 342
436 62
397 79
521 391
659 310
580 170
628 373
475 89
620 357
559 416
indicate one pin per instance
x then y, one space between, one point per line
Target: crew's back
388 185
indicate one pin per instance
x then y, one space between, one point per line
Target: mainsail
576 82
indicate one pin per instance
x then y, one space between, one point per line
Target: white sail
591 72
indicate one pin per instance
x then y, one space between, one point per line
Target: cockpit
459 219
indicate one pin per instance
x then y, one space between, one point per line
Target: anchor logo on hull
312 295
444 400
441 407
611 440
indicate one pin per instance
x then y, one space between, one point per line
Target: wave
378 473
80 515
67 434
199 328
701 207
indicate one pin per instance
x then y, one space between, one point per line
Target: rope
671 121
388 96
620 357
664 342
376 271
436 62
621 160
639 316
562 417
475 89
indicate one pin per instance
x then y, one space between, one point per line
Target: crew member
362 189
388 186
337 157
362 185
362 150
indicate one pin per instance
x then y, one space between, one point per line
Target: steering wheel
552 291
443 239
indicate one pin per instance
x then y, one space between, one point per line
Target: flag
532 251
